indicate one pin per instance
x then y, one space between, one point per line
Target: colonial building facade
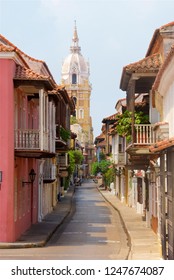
144 164
33 112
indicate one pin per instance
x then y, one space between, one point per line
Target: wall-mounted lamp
32 176
0 176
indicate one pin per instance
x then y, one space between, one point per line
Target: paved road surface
93 231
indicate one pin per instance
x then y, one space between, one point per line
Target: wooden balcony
31 143
63 161
138 150
144 134
61 144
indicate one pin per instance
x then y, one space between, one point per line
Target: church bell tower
75 77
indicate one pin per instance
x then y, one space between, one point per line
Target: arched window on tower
75 100
74 78
81 114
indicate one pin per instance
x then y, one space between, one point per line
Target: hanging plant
64 134
124 123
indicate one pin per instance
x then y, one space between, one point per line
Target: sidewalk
144 243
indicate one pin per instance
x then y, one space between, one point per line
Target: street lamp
32 176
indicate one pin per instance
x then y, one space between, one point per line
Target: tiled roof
110 118
23 73
101 144
162 145
36 65
101 136
7 42
161 71
4 48
112 130
156 35
151 63
156 125
121 101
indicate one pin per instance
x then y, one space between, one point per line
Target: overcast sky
112 34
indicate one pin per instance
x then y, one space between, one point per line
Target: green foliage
64 134
109 176
66 182
73 120
78 156
101 166
124 127
104 164
72 164
107 170
75 157
141 118
102 156
124 124
95 168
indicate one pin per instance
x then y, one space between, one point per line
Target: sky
112 34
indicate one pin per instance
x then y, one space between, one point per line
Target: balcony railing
27 139
33 139
144 134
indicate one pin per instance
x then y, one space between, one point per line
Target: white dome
75 63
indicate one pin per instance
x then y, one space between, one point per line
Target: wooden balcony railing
33 139
144 134
27 139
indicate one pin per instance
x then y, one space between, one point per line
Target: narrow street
93 230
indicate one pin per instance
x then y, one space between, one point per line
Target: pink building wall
16 200
26 200
7 231
26 206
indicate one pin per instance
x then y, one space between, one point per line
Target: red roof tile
110 118
37 65
7 42
156 35
23 73
151 63
161 71
101 144
162 145
101 136
4 48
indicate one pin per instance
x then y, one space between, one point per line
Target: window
74 79
75 100
81 114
